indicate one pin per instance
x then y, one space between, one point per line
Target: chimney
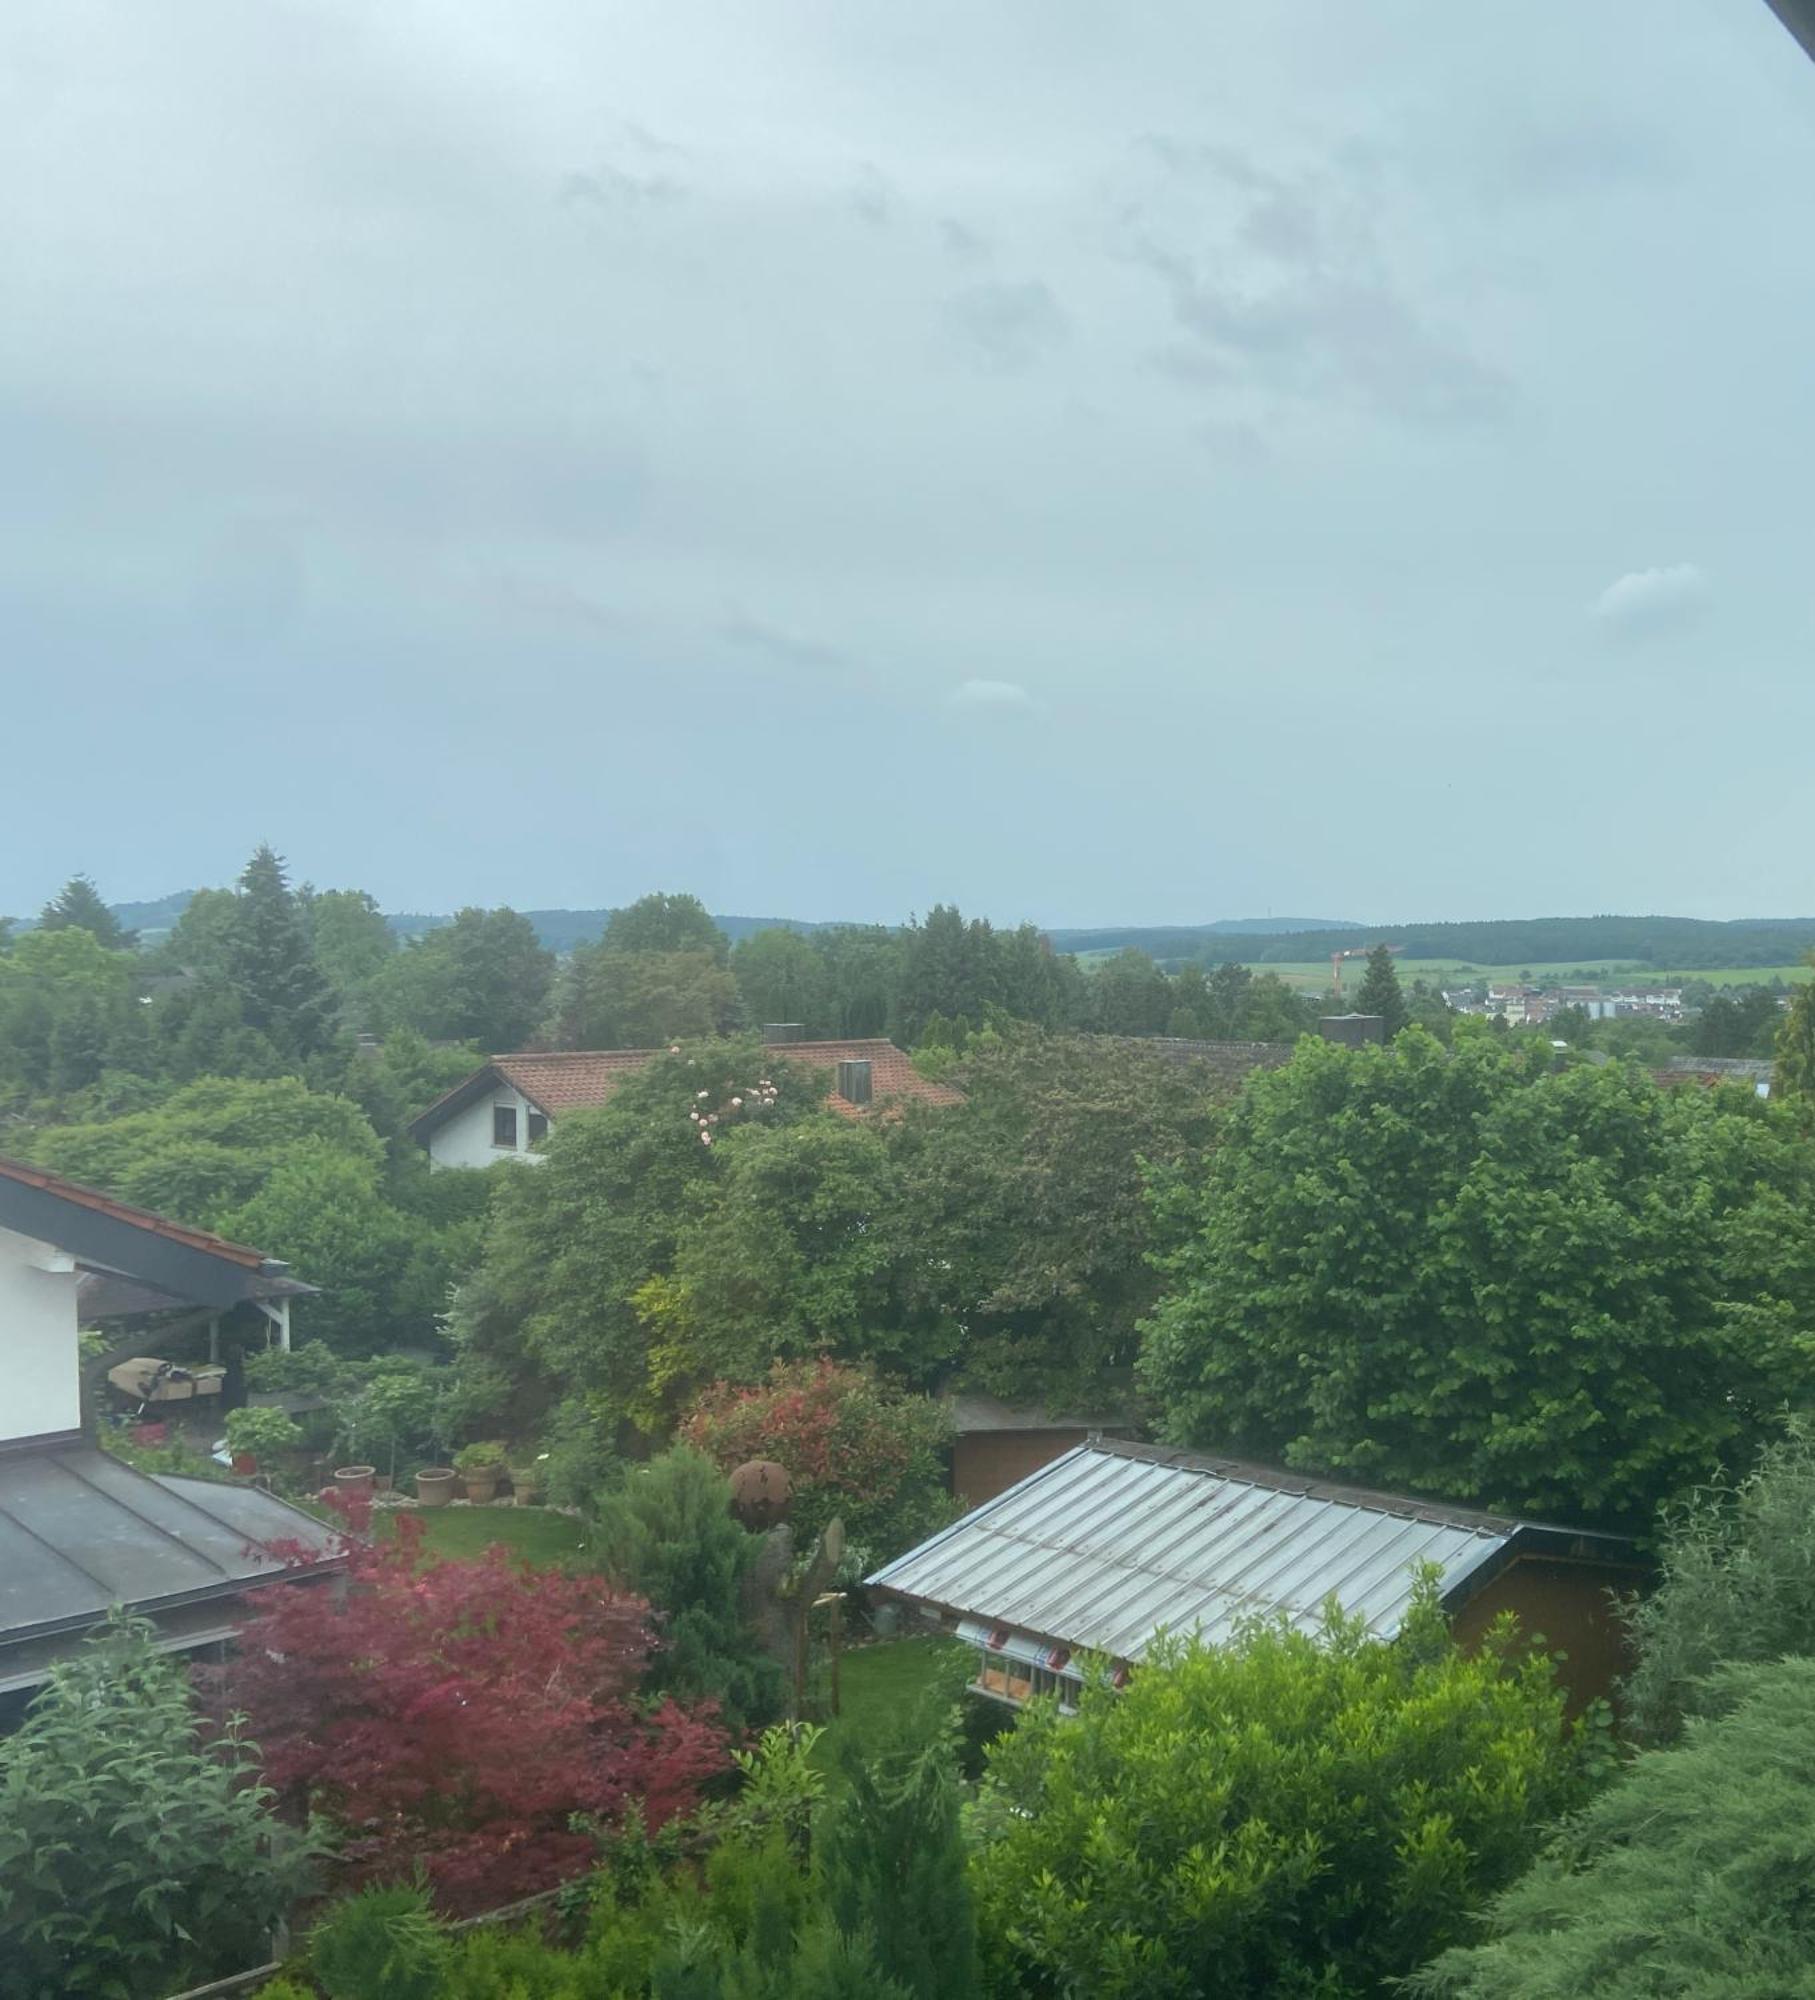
854 1082
1353 1031
775 1032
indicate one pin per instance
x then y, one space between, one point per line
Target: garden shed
1097 1553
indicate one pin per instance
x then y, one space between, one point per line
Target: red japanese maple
457 1714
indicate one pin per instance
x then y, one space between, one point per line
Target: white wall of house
465 1140
40 1369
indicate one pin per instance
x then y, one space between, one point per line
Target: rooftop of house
1114 1542
561 1080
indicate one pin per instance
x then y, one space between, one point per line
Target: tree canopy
1569 1294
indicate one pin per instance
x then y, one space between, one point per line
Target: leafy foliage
1794 1077
1688 1880
1027 1206
1567 1294
270 962
134 1859
1379 992
851 1445
78 906
639 999
571 1245
665 1531
382 1944
1736 1584
483 979
461 1714
1292 1814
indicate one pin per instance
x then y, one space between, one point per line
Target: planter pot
245 1464
356 1480
482 1485
384 1482
149 1433
524 1491
435 1485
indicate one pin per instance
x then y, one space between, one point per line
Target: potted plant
526 1481
481 1466
435 1485
259 1434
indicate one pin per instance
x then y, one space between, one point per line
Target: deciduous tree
1568 1294
456 1717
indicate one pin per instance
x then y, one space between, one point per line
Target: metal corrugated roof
1109 1544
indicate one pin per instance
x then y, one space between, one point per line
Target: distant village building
81 1530
1097 1553
507 1107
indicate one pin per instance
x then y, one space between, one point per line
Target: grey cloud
992 698
873 197
1007 326
613 187
960 241
1292 295
1649 603
742 628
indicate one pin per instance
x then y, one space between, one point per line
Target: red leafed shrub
456 1714
851 1445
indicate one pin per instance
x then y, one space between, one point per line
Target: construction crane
1354 951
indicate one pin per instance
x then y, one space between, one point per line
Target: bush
1688 1878
460 1715
383 1944
1737 1583
134 1860
261 1431
852 1446
1291 1814
666 1532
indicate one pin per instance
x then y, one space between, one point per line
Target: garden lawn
877 1683
538 1534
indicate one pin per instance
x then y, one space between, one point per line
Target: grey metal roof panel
81 1531
1107 1545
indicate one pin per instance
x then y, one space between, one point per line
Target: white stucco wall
40 1369
465 1140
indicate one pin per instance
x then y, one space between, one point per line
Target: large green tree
69 1010
350 938
559 1299
640 999
665 922
484 978
794 1248
1794 1079
1293 1813
1379 992
78 905
781 977
1687 1880
271 962
1569 1294
1025 1207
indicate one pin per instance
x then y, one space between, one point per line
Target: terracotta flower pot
482 1485
525 1490
356 1479
435 1485
245 1464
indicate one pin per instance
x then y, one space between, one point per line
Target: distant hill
1683 944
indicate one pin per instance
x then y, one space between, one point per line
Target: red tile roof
576 1079
138 1218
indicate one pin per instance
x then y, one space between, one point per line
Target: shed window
504 1125
538 1126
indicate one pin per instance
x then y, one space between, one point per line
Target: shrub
1688 1878
262 1432
666 1532
1293 1813
134 1860
463 1714
383 1944
852 1446
1737 1583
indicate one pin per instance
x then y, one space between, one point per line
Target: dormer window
504 1126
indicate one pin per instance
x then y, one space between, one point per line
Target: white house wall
39 1365
465 1140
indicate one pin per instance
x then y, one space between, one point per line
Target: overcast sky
1094 463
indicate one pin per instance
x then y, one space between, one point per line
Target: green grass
537 1534
878 1683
